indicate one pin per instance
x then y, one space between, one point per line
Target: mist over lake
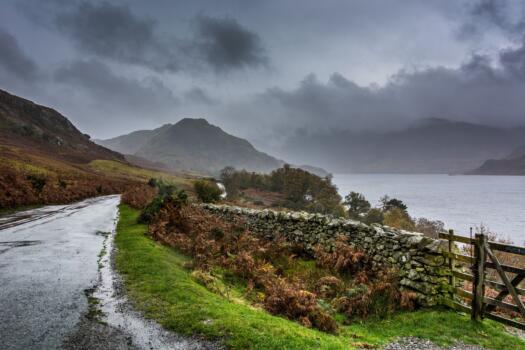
460 202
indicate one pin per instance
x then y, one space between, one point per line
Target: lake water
460 202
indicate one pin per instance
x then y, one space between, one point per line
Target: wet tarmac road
48 257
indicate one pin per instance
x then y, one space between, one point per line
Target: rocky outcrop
419 259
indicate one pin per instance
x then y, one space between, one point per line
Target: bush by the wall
207 191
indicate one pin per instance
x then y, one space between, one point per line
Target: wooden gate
484 272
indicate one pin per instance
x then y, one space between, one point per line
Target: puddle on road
116 311
102 233
16 244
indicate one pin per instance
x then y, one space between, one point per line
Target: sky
265 70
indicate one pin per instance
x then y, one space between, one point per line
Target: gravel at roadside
412 343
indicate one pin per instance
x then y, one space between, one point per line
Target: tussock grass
159 284
126 171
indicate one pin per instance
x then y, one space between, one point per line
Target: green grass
160 286
115 168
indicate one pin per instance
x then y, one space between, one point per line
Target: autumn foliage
18 187
339 281
139 196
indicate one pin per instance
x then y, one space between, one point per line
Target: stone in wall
419 259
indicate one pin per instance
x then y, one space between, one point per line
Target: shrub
341 279
374 216
329 287
15 189
388 203
430 228
151 210
37 181
207 191
357 205
399 218
165 189
152 182
343 258
62 184
380 298
139 196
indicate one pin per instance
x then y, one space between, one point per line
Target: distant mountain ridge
27 125
513 164
193 144
518 152
429 146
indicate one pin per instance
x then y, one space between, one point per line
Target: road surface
58 287
48 258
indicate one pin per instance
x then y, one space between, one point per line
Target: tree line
302 190
391 212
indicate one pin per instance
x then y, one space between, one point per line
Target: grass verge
120 169
160 286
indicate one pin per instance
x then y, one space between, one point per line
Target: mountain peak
194 144
192 122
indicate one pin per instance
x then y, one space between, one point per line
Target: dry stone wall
419 259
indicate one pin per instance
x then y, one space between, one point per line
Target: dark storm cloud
121 93
226 45
114 32
507 16
14 62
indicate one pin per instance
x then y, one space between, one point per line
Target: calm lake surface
460 202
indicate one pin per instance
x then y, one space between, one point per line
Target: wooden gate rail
484 258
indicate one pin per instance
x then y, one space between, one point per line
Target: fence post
451 262
479 277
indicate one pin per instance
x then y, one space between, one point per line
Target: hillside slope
518 152
431 146
193 144
45 159
35 128
132 142
513 166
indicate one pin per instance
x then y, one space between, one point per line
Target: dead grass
139 196
130 172
279 275
34 178
22 187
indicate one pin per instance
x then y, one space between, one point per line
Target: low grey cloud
114 32
14 62
136 97
195 48
506 16
225 45
198 95
478 91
